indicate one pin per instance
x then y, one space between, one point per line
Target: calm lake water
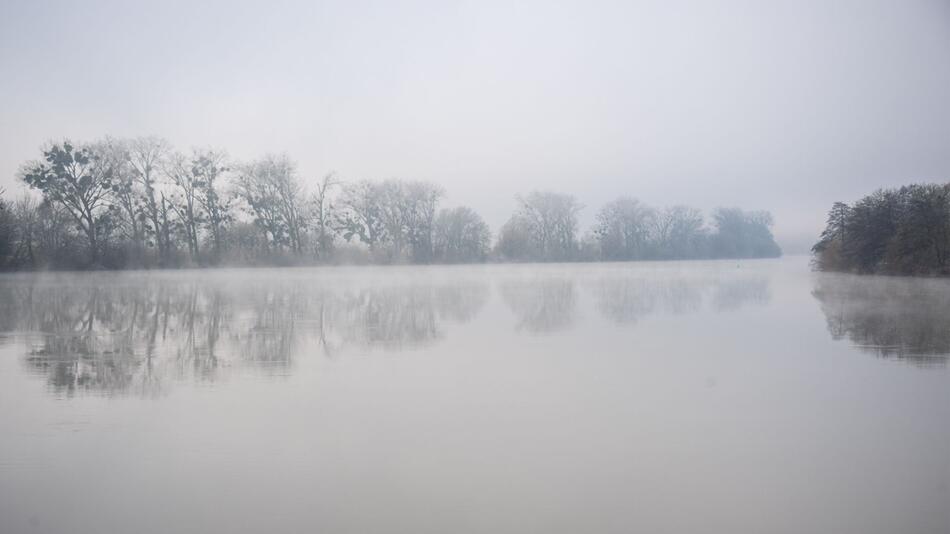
751 396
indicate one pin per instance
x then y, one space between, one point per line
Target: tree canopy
890 231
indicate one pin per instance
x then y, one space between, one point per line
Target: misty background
785 106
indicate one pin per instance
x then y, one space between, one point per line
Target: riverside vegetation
139 203
902 231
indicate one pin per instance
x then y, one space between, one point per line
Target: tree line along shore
139 203
900 231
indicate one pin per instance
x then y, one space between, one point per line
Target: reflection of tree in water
263 334
405 316
903 318
627 299
543 305
548 303
389 317
91 333
118 337
735 293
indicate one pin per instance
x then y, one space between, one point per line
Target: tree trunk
93 242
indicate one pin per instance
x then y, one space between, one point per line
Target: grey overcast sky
785 106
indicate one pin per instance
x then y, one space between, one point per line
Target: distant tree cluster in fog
891 231
139 203
545 228
629 230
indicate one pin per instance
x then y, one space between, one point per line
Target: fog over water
167 148
786 106
706 396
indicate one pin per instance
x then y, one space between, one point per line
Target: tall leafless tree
551 220
460 235
323 216
79 180
209 167
623 229
145 157
270 189
185 203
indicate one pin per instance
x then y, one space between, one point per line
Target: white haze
786 106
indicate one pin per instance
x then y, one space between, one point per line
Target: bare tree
45 233
323 216
623 229
744 234
145 157
79 180
551 220
395 210
678 233
422 200
209 166
185 200
460 235
361 215
516 240
270 189
126 198
407 211
7 232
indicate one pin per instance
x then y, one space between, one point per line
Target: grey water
721 396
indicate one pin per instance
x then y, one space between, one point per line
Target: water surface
749 396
